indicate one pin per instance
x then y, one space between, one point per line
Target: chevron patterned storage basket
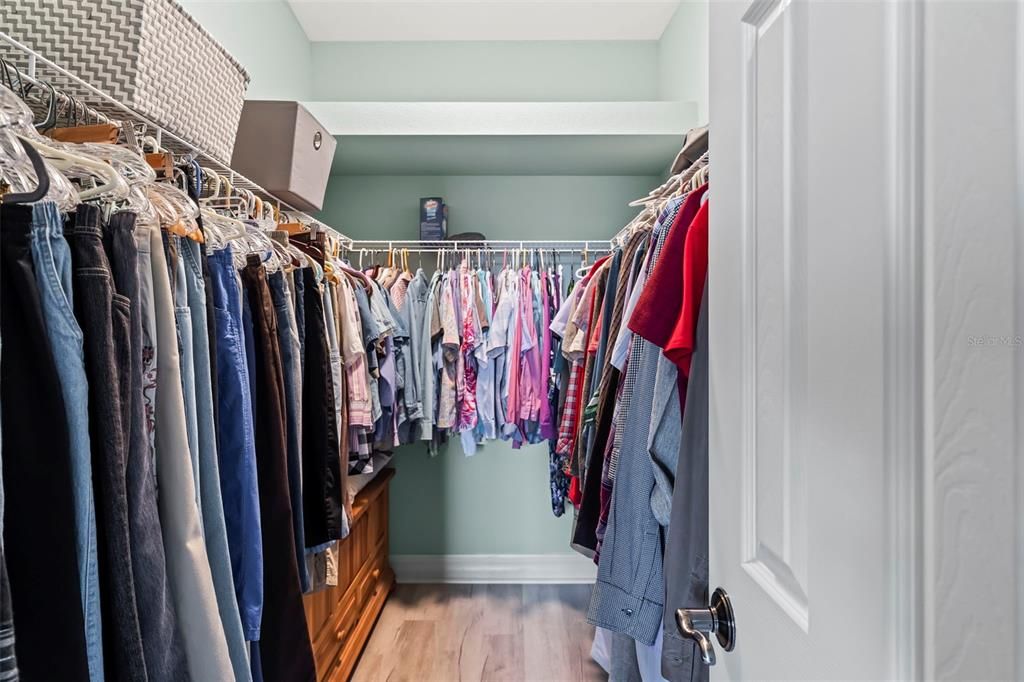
149 54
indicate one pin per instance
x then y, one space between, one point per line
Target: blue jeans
211 502
183 322
52 260
288 339
236 446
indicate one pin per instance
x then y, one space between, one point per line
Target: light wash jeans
52 260
211 502
183 323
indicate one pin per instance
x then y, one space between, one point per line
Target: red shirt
695 269
661 302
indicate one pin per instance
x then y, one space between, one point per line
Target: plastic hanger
184 210
223 228
19 120
17 163
43 179
112 185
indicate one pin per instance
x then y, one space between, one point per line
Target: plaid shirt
399 289
360 455
570 411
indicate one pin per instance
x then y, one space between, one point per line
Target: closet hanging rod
37 67
601 249
565 245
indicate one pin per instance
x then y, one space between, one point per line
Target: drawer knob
340 634
376 573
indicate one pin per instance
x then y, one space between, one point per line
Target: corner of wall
683 63
266 38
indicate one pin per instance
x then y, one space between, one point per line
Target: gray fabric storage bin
287 151
148 54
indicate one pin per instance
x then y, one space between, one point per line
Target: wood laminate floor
442 633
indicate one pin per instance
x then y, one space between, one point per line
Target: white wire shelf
35 67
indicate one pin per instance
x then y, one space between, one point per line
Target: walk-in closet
412 340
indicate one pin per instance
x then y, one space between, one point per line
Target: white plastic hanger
112 185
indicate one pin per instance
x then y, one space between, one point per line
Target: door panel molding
903 330
1018 308
774 519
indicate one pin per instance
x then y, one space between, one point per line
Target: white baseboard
493 568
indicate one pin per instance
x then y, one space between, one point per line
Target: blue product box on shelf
433 218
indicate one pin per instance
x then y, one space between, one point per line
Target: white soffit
482 20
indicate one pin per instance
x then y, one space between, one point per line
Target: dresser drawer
373 590
341 618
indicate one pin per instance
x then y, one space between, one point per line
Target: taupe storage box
148 54
283 148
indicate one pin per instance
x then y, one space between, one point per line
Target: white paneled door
866 305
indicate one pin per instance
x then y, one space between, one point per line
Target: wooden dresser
341 618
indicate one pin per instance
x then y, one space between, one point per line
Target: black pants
8 656
105 319
321 462
585 531
39 528
285 652
161 640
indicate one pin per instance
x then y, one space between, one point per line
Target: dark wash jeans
285 652
161 640
105 318
39 538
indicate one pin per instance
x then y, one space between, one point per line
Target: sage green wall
500 206
266 38
496 502
683 56
530 71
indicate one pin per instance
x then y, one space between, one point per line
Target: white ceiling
412 20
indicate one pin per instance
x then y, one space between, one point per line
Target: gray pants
686 548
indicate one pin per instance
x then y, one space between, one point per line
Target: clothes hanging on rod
633 426
463 353
170 435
